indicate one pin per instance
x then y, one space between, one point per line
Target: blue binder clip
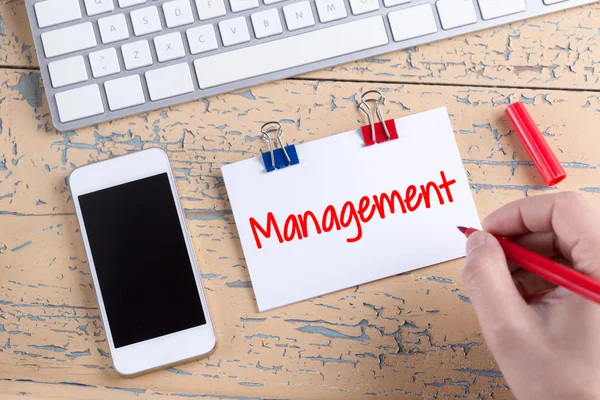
279 158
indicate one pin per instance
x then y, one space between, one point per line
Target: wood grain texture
412 336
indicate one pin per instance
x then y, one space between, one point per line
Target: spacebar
291 52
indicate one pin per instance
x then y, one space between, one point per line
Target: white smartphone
142 262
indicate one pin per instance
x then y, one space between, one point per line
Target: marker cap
535 144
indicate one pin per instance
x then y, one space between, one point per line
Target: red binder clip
381 131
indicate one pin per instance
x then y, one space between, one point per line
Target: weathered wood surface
410 336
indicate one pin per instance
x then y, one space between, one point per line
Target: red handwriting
300 226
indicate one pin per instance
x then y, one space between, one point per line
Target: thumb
498 303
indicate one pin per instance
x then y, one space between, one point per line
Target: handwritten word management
353 214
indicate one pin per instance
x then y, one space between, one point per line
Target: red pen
551 271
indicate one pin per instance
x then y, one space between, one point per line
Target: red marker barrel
540 152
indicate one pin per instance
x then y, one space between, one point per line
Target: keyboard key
136 55
104 62
298 15
202 39
363 6
79 103
241 5
309 47
548 2
392 3
129 3
169 81
145 21
67 72
69 40
266 23
456 13
169 47
54 12
268 2
124 92
234 31
178 13
208 9
95 7
331 10
412 22
113 28
491 9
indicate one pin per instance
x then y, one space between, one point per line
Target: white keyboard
104 59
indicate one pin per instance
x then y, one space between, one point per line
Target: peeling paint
29 86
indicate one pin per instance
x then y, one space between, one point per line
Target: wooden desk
408 337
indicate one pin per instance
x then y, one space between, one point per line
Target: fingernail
476 240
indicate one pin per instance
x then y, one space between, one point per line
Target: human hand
546 343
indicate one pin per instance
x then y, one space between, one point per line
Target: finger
543 243
488 281
529 284
574 221
538 298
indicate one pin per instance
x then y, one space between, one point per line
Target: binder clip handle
371 136
275 158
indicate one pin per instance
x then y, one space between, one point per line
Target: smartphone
142 262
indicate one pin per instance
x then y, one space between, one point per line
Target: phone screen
138 247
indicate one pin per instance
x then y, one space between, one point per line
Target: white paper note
303 257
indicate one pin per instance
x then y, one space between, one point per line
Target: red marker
547 269
535 144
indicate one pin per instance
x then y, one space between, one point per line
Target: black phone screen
138 247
